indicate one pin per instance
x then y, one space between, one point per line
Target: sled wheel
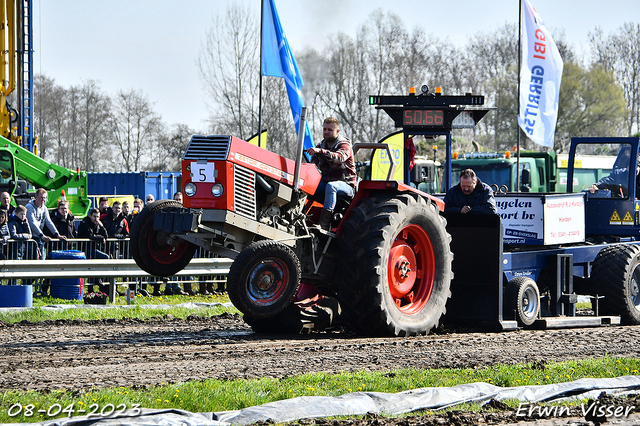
263 279
397 266
522 299
149 248
616 276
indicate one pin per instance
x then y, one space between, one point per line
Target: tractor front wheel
263 279
149 247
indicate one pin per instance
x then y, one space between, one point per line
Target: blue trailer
529 265
138 184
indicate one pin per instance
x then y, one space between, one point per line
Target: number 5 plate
204 172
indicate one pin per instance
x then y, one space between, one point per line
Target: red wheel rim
268 281
165 253
411 269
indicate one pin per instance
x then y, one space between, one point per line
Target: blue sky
152 45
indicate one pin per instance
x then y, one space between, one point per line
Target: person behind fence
4 234
115 223
470 196
103 205
91 228
23 247
64 221
5 203
38 217
138 205
126 210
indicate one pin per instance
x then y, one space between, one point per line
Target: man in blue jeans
334 158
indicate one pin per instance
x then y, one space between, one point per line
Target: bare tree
91 117
591 104
45 94
229 68
620 52
134 129
494 57
170 148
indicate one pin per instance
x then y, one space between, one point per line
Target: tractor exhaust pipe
301 127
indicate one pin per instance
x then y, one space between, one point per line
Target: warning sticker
627 219
615 218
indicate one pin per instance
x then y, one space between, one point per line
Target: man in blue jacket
470 196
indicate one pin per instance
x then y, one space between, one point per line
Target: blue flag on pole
278 61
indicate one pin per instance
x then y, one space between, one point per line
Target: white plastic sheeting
359 403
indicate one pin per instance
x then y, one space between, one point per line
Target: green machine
19 167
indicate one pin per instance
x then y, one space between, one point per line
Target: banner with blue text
540 78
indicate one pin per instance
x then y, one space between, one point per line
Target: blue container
16 296
161 184
67 288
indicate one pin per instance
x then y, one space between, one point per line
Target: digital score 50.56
423 117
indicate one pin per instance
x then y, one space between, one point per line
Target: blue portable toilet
16 296
67 288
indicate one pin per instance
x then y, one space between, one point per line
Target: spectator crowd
27 232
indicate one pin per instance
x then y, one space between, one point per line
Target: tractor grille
244 196
207 148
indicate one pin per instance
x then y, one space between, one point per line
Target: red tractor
383 270
387 260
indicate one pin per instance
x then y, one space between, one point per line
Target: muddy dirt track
95 354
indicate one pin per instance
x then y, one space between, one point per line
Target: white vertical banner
540 78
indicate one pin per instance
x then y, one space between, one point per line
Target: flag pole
519 71
260 81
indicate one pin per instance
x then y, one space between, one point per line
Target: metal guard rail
101 268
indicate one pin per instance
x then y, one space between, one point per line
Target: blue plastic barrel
67 288
16 296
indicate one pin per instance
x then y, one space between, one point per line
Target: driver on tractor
334 158
617 182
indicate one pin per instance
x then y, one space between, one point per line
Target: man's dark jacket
480 200
65 227
88 229
116 226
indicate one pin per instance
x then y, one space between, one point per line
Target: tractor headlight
217 190
190 189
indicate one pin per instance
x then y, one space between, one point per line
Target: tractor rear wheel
263 279
149 247
616 276
397 266
522 300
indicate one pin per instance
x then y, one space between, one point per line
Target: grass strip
88 312
220 395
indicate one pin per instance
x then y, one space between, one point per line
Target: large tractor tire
263 279
149 248
522 301
616 276
396 266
